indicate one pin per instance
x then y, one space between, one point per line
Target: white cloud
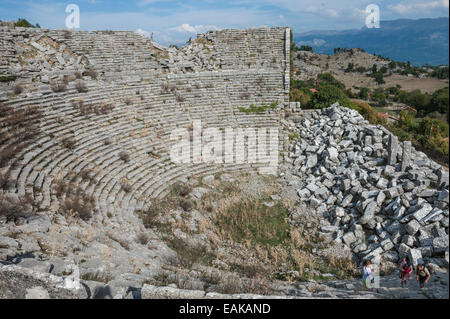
176 35
404 8
143 33
187 28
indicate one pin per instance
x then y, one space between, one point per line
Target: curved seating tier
144 115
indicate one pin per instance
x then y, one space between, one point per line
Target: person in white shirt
368 278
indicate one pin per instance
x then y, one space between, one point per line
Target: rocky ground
28 284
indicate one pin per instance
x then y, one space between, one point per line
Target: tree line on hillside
427 128
402 68
23 23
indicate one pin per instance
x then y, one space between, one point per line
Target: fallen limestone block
406 155
153 292
18 283
412 227
392 149
38 46
37 293
415 257
440 244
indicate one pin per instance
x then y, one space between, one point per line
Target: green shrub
328 78
253 109
327 95
7 78
294 136
364 93
23 23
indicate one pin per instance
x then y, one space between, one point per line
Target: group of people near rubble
405 268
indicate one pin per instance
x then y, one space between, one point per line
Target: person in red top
406 269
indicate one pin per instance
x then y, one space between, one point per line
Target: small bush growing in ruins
150 216
103 108
126 186
58 86
67 34
124 156
253 109
79 207
18 89
88 174
68 78
14 206
186 205
86 109
245 96
5 181
107 141
143 239
186 255
69 143
92 73
21 127
179 97
76 201
81 86
165 87
7 78
181 189
7 154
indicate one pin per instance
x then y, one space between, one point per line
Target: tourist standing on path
406 269
422 275
368 278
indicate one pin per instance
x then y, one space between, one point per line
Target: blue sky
174 21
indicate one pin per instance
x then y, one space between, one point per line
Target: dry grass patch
58 86
81 86
124 156
74 201
97 109
245 219
126 185
69 142
20 127
151 216
92 73
13 206
18 89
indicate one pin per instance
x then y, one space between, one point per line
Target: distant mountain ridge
422 41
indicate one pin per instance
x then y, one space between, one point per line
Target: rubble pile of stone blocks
382 198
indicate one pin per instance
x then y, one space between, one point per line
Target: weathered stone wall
39 55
